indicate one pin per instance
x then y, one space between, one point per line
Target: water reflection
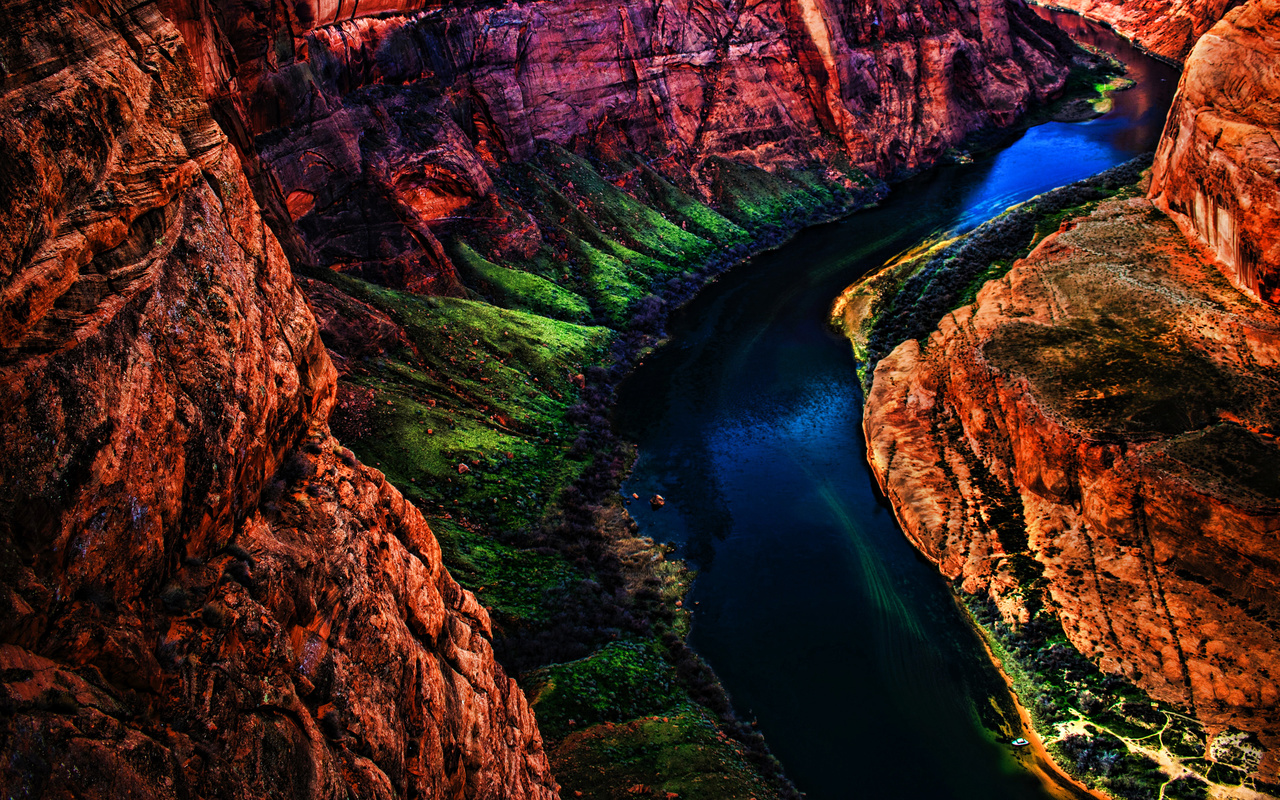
1140 110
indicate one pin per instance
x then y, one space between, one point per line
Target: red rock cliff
1108 411
375 175
896 82
201 595
1217 169
1098 432
1167 28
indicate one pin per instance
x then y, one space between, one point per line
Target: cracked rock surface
1106 413
201 593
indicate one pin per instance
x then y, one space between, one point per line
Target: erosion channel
823 623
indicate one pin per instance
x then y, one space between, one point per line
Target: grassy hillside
491 413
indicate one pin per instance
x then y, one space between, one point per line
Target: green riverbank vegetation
490 409
1103 730
907 297
491 412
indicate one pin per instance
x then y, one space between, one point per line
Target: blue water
823 623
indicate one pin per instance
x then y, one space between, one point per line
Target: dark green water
819 617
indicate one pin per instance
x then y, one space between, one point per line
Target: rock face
895 82
1217 169
1103 423
1100 428
385 132
1167 28
201 594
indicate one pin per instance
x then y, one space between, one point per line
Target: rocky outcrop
386 131
1167 28
202 594
1098 434
1217 169
896 83
1095 438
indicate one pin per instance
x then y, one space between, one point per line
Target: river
822 622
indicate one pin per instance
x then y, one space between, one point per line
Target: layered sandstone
1098 432
385 132
1108 414
896 83
202 595
1217 172
1167 28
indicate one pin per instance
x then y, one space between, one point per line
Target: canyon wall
1167 28
1096 436
385 132
1217 172
893 83
202 594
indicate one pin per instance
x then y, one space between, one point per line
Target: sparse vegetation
680 753
619 682
908 298
1102 728
513 288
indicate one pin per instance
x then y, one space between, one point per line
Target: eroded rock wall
896 82
1098 433
201 593
1217 172
1167 28
384 131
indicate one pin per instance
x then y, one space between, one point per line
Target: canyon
1092 441
312 315
169 632
1166 28
223 221
400 125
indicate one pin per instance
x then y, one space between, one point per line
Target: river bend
823 623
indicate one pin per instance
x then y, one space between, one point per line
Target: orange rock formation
383 133
1167 28
163 632
1109 411
1217 172
1118 397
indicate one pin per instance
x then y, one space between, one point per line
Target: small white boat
1019 742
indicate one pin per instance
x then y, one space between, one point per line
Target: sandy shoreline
1035 757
